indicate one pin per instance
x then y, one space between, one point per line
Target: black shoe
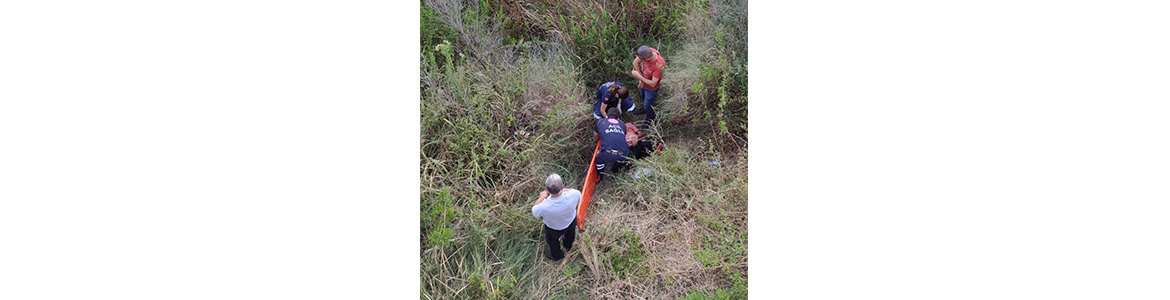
548 254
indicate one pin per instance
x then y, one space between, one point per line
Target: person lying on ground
608 95
612 133
639 147
557 207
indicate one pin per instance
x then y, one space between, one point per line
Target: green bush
628 261
601 34
738 290
506 88
685 190
492 119
432 31
716 93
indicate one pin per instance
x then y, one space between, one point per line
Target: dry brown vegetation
506 89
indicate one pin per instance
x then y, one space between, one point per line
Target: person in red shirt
648 65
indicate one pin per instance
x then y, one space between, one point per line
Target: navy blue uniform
604 96
613 143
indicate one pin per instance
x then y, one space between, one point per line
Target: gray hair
553 184
644 51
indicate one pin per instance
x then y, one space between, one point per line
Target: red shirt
653 69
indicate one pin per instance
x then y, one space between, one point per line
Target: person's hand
543 194
636 74
641 84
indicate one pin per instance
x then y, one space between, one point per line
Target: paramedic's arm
596 137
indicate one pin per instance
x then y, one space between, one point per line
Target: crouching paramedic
609 95
558 208
612 133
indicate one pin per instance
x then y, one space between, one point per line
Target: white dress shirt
558 212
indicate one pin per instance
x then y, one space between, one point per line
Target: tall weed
494 121
506 90
601 34
710 92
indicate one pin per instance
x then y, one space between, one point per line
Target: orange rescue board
587 191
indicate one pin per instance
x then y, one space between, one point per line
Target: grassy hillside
506 93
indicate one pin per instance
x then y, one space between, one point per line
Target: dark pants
605 158
642 149
552 237
648 97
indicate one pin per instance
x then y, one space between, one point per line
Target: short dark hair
622 92
613 112
643 51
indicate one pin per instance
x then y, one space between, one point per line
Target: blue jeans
648 97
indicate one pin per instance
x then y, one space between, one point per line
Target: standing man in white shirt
558 207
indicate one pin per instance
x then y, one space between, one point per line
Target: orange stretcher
590 181
586 192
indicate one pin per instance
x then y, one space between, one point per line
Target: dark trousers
642 149
605 158
552 237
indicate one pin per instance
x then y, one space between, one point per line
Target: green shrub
432 30
628 261
506 88
601 34
713 97
492 119
685 190
738 290
440 237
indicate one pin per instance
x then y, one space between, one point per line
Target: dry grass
499 114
